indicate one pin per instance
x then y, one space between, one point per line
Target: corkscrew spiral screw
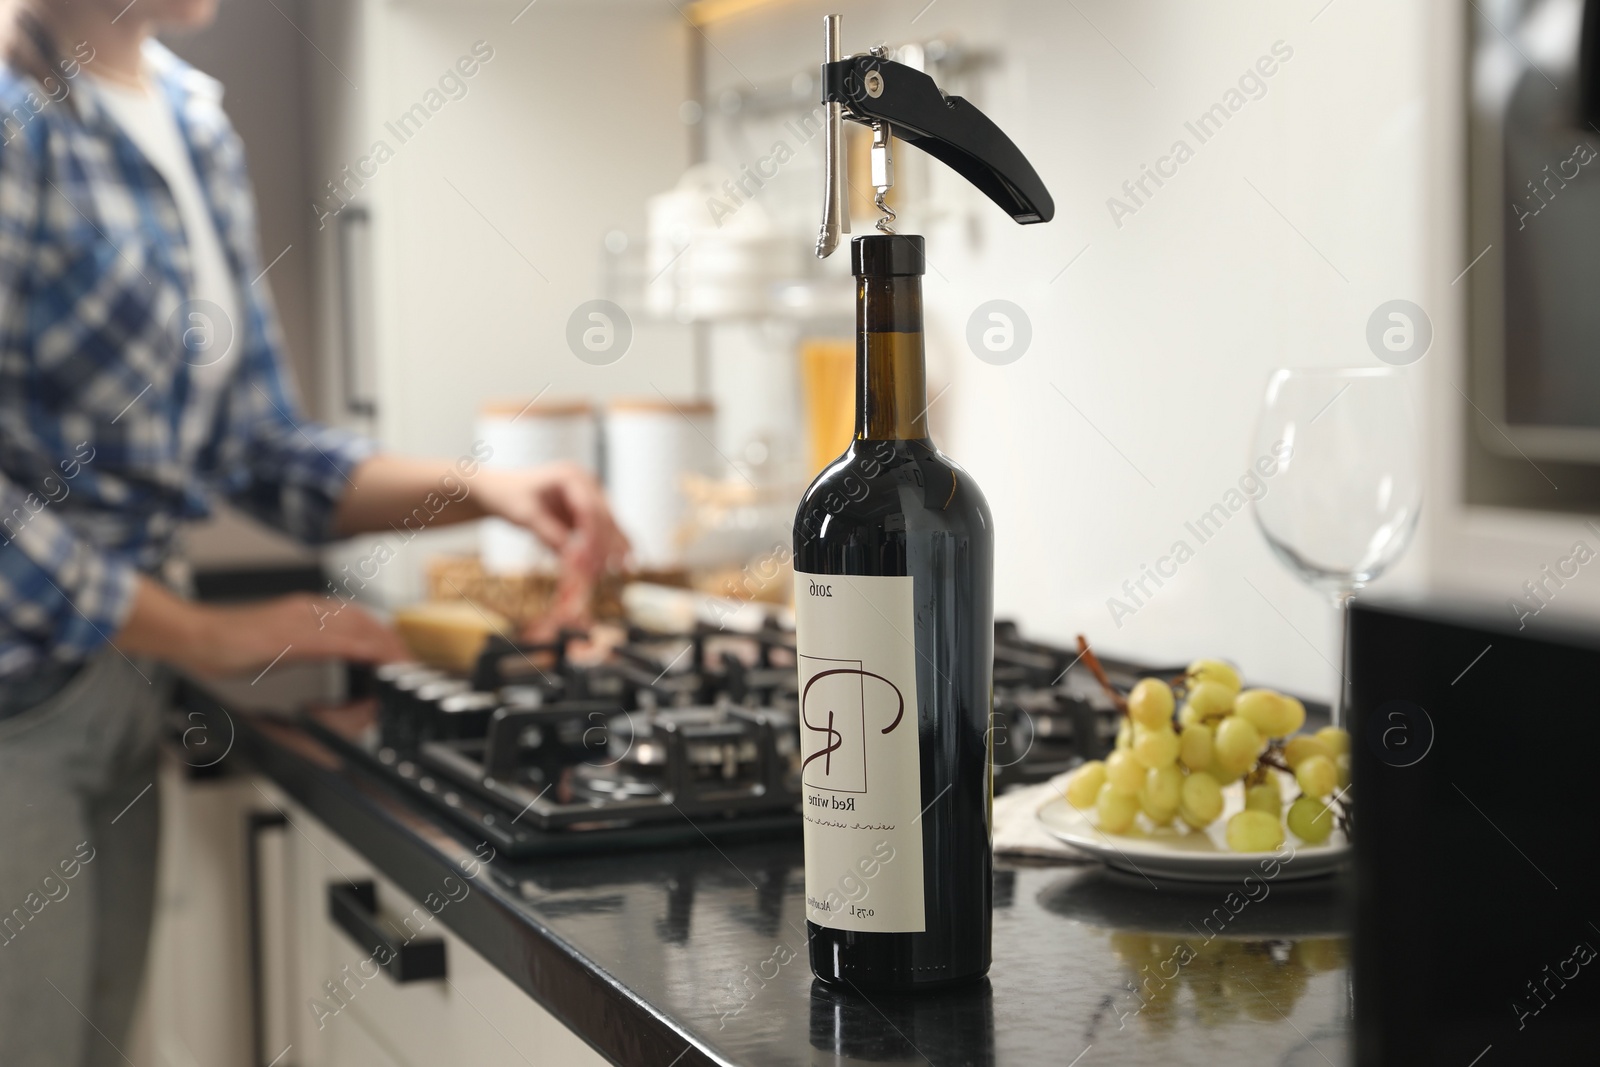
884 224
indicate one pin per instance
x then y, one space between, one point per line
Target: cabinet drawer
473 1014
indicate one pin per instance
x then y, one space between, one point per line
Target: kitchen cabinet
340 1009
322 999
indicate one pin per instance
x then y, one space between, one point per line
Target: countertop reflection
700 952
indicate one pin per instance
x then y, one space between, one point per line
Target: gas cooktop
647 738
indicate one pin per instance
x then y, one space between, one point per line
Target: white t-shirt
212 329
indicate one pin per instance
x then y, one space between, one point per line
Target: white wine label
861 775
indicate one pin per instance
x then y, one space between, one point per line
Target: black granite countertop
695 955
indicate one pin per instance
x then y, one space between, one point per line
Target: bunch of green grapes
1171 762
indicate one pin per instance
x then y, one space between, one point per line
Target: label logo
837 709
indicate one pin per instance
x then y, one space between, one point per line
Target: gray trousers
79 819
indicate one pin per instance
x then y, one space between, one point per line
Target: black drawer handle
353 906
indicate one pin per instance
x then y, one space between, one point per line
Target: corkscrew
895 100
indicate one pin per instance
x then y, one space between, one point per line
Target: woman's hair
26 44
29 48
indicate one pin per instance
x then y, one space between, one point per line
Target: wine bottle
894 565
894 587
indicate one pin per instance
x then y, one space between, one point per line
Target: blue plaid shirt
95 475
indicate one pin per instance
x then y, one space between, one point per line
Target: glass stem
1339 709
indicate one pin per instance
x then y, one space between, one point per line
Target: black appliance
1477 863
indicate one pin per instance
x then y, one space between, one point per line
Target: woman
141 377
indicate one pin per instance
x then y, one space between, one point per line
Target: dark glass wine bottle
894 561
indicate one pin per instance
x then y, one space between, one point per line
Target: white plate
1189 855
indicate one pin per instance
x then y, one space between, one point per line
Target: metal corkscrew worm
888 215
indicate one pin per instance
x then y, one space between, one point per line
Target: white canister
520 434
650 445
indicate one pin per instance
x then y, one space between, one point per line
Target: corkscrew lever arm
879 92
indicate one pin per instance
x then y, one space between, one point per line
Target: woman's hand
303 626
564 507
561 503
219 642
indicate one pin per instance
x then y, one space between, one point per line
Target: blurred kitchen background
428 289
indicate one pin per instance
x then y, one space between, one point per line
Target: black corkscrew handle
877 90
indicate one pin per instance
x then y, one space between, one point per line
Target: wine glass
1342 501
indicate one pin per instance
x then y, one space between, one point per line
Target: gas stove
647 738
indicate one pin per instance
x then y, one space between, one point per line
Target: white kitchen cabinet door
351 1046
474 1015
196 1005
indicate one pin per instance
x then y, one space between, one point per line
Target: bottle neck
891 382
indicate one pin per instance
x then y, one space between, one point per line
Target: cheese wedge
449 634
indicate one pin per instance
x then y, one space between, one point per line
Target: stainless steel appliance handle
354 221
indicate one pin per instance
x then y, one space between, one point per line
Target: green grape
1297 715
1116 810
1085 783
1125 733
1297 749
1155 748
1188 716
1237 745
1341 763
1200 800
1310 820
1273 714
1211 698
1124 774
1159 816
1254 831
1150 703
1224 778
1214 671
1337 740
1317 776
1194 747
1163 787
1266 796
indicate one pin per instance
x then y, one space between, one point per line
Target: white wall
563 134
1163 332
